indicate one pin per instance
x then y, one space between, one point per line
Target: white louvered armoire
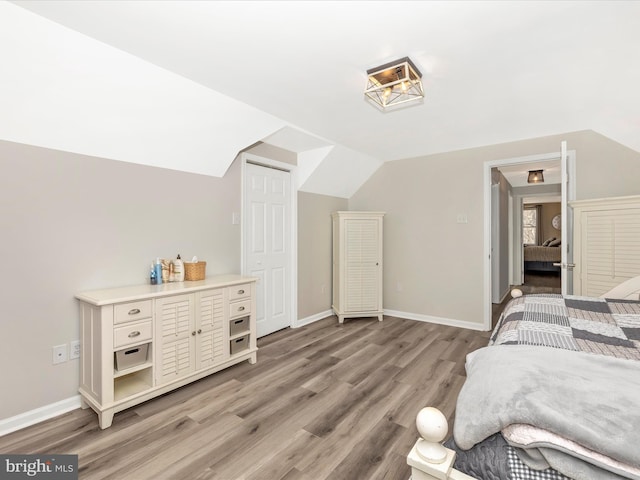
606 243
357 264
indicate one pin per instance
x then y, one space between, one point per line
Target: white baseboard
38 415
301 322
41 414
505 295
431 319
395 313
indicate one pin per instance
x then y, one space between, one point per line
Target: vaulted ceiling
293 73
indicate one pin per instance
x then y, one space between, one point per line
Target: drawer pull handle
240 292
199 330
193 333
134 311
238 322
240 309
134 334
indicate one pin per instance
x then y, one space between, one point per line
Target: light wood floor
325 401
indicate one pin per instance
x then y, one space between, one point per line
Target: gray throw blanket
591 399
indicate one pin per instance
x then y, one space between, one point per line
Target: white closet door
268 233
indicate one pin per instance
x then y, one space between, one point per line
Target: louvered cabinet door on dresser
357 264
191 336
175 354
210 347
606 243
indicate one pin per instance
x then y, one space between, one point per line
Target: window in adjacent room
530 225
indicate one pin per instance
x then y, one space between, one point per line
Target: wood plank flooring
325 401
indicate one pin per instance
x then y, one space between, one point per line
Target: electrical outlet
74 349
60 354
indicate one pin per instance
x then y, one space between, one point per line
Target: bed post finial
433 428
428 459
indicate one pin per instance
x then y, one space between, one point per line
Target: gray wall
274 153
433 265
547 212
72 223
314 251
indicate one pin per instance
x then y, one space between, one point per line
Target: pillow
555 243
548 241
629 290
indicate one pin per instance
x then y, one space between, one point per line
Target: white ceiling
517 174
493 71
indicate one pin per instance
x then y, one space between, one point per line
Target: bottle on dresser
178 270
158 267
153 278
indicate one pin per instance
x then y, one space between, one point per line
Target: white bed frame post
429 459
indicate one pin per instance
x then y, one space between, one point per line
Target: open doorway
509 178
521 223
541 244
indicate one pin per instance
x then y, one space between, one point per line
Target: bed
555 394
541 258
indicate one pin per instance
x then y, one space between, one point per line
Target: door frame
245 158
488 165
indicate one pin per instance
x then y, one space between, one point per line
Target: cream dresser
141 341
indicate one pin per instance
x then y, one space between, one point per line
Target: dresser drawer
239 292
132 333
239 308
239 325
129 312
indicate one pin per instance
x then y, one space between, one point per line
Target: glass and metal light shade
394 83
535 176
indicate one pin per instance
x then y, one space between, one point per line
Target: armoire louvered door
357 264
607 243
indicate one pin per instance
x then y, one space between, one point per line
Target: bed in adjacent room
556 393
542 258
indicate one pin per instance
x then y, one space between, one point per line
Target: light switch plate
74 349
60 354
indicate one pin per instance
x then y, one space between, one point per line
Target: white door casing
495 244
566 219
268 240
568 176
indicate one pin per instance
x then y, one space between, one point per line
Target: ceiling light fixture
393 84
535 176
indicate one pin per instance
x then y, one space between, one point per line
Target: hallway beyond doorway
534 282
